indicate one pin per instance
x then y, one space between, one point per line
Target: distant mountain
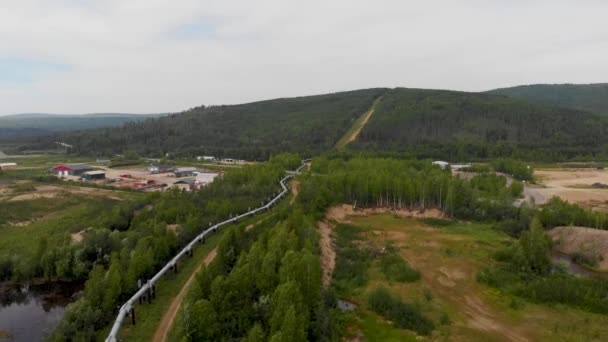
32 124
417 122
250 131
589 97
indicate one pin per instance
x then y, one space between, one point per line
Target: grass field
448 256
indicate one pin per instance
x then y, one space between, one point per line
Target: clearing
353 132
448 255
572 185
295 189
592 243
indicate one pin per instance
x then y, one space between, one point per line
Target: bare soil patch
587 241
328 252
340 212
295 188
52 191
79 236
451 279
173 228
574 185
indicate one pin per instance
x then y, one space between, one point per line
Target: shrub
404 315
397 269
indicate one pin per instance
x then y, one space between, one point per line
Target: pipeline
126 308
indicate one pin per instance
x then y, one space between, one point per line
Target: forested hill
250 131
460 126
23 125
589 97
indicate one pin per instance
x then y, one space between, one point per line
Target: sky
152 56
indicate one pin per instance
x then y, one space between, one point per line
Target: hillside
423 123
459 125
251 131
23 125
588 97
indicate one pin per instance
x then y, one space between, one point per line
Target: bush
404 315
517 169
397 269
351 261
587 294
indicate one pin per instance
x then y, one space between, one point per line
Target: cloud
160 55
17 71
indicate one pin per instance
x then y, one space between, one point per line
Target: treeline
517 169
525 270
131 245
263 285
252 131
384 182
463 126
588 97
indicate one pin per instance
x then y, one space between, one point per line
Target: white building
205 158
442 164
204 178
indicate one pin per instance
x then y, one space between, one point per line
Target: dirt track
166 323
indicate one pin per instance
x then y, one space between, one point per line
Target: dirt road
166 323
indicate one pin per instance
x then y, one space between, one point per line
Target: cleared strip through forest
126 308
355 129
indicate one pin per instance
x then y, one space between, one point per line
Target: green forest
252 131
129 241
587 97
461 126
417 123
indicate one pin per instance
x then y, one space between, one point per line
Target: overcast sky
147 56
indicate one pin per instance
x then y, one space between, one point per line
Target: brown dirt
166 323
340 212
295 189
173 228
355 134
328 253
483 318
79 236
574 186
451 279
589 241
52 191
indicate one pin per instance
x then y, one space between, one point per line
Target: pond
31 312
564 262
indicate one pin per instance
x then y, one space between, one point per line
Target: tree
532 253
113 283
94 287
256 334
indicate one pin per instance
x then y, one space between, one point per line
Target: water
345 305
564 262
29 313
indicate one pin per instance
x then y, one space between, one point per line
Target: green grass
374 328
341 144
47 160
51 218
